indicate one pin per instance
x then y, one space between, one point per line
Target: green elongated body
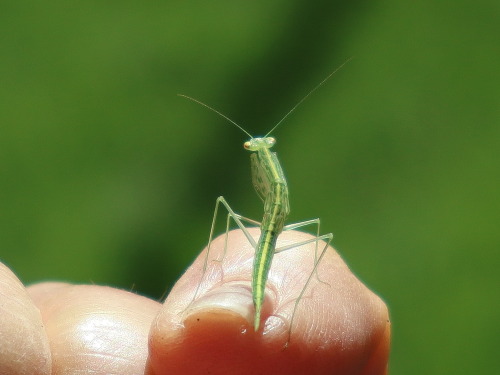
270 183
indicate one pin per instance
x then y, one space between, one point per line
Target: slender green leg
238 219
301 224
233 215
328 238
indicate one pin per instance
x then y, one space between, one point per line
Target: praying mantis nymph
270 184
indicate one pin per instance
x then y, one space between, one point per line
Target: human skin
340 327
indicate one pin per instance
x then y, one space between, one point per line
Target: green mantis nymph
270 184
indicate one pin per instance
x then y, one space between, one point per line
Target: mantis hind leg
301 224
231 215
327 238
317 259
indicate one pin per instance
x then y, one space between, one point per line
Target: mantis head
256 144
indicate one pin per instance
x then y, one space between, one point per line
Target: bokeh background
107 177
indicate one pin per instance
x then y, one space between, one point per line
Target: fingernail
233 296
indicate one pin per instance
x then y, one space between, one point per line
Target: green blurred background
107 177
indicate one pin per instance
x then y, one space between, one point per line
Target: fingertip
95 328
212 341
43 291
337 327
378 362
25 347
